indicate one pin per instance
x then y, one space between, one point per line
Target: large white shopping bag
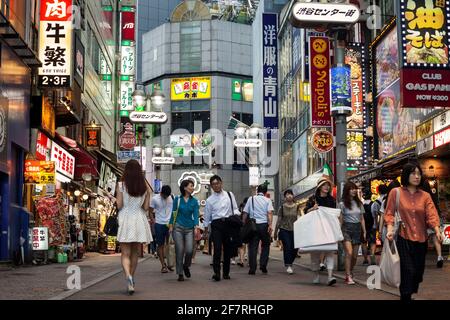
390 264
321 248
317 228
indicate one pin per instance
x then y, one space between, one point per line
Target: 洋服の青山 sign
425 88
320 82
322 141
424 27
315 14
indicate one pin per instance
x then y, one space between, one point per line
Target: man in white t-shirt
161 209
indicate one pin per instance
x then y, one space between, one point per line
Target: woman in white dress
133 195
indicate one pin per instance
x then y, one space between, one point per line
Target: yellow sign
191 88
39 172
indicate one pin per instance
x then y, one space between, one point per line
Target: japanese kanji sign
127 66
65 162
39 172
93 137
425 27
270 70
323 14
126 95
355 57
40 238
191 88
55 43
320 82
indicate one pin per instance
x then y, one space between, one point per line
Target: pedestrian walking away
133 195
284 229
260 208
161 208
372 218
352 223
322 198
219 213
417 212
183 221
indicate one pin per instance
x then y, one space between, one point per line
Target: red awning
85 165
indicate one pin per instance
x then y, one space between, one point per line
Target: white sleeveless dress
133 222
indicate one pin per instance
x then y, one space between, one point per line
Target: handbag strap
231 201
253 206
175 214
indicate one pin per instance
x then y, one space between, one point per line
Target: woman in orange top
417 212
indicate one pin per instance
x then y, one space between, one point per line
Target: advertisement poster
320 82
182 145
300 150
387 61
355 58
355 147
341 93
39 172
396 126
427 38
190 88
242 90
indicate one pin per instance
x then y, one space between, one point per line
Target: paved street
102 279
152 285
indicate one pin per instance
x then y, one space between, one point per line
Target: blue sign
157 185
296 49
270 70
125 156
341 92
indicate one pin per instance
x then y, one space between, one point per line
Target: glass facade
190 46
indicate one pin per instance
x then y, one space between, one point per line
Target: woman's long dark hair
134 180
347 197
183 185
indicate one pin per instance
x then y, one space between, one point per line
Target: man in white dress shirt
219 207
161 207
261 209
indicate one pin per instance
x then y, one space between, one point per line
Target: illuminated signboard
55 43
190 88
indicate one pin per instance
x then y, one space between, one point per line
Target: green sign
242 90
124 113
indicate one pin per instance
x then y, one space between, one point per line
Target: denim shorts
352 232
161 233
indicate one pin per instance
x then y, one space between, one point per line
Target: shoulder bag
233 220
249 228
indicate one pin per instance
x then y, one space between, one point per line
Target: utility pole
340 115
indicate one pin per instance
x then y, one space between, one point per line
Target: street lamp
148 109
249 137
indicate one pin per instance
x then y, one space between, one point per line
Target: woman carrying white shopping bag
417 212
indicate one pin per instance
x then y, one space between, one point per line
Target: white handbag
390 259
390 264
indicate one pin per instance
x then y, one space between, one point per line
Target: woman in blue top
182 224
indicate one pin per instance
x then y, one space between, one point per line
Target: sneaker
440 262
264 270
226 277
349 280
241 264
164 270
322 267
331 281
180 277
233 262
289 270
365 263
251 272
316 280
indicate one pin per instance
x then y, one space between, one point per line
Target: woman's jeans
289 252
184 245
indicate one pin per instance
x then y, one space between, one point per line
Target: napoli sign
313 14
148 117
163 160
247 143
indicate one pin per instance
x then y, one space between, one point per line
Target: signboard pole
341 139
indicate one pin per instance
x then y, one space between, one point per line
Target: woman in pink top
417 212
